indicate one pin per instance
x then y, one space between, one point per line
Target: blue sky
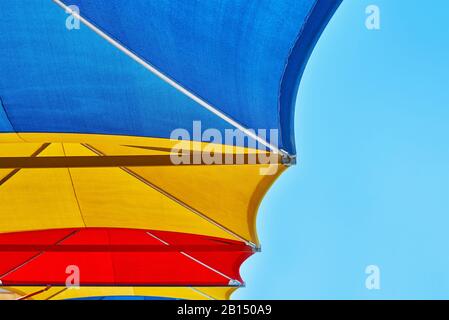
372 182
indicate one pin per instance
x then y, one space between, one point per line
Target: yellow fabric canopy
61 293
221 200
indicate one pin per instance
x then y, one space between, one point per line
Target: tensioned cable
232 282
202 293
177 200
170 81
36 255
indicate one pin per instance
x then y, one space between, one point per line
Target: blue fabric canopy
87 166
243 57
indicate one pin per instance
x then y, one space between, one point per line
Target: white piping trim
205 265
233 281
170 81
22 264
158 239
36 256
203 294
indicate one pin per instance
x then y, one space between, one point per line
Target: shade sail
62 293
87 122
198 199
122 257
244 58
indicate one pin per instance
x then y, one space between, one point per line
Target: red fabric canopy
119 257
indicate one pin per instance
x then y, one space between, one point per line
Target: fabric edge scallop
301 51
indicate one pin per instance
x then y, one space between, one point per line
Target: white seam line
22 264
158 239
170 81
205 265
202 293
35 256
196 260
